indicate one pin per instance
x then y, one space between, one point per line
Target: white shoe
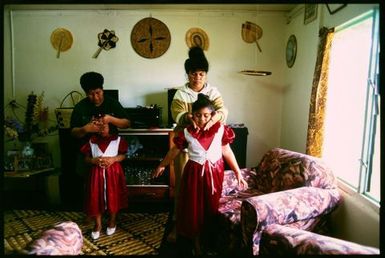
95 235
110 231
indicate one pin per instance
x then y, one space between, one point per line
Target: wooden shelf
26 173
151 131
155 144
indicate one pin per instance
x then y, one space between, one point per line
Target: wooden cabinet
71 181
146 148
239 145
32 189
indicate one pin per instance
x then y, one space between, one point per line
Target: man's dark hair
91 81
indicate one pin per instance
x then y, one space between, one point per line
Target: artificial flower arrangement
35 122
35 125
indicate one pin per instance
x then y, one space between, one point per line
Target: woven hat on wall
196 37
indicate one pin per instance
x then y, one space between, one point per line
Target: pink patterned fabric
286 188
64 239
279 240
229 239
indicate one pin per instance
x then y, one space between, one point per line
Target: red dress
201 184
105 187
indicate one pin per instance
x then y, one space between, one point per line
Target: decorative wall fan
106 40
61 40
251 33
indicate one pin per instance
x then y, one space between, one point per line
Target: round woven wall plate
61 39
150 38
196 37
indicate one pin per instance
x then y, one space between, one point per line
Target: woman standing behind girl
201 182
105 183
196 67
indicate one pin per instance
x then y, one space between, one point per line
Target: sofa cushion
282 169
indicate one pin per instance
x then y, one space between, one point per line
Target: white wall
254 101
357 219
298 81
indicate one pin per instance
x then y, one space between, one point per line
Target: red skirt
106 190
197 205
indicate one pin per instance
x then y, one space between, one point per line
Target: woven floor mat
136 233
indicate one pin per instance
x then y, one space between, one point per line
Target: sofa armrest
278 239
283 207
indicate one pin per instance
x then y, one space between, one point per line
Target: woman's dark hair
203 101
91 81
197 61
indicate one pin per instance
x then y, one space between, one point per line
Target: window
352 118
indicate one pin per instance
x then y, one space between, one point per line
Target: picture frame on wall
333 8
311 11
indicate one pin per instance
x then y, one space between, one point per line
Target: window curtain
318 94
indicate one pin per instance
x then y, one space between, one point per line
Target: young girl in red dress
106 189
201 183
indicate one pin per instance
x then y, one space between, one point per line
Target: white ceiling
254 7
209 7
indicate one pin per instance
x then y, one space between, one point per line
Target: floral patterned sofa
282 240
286 188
